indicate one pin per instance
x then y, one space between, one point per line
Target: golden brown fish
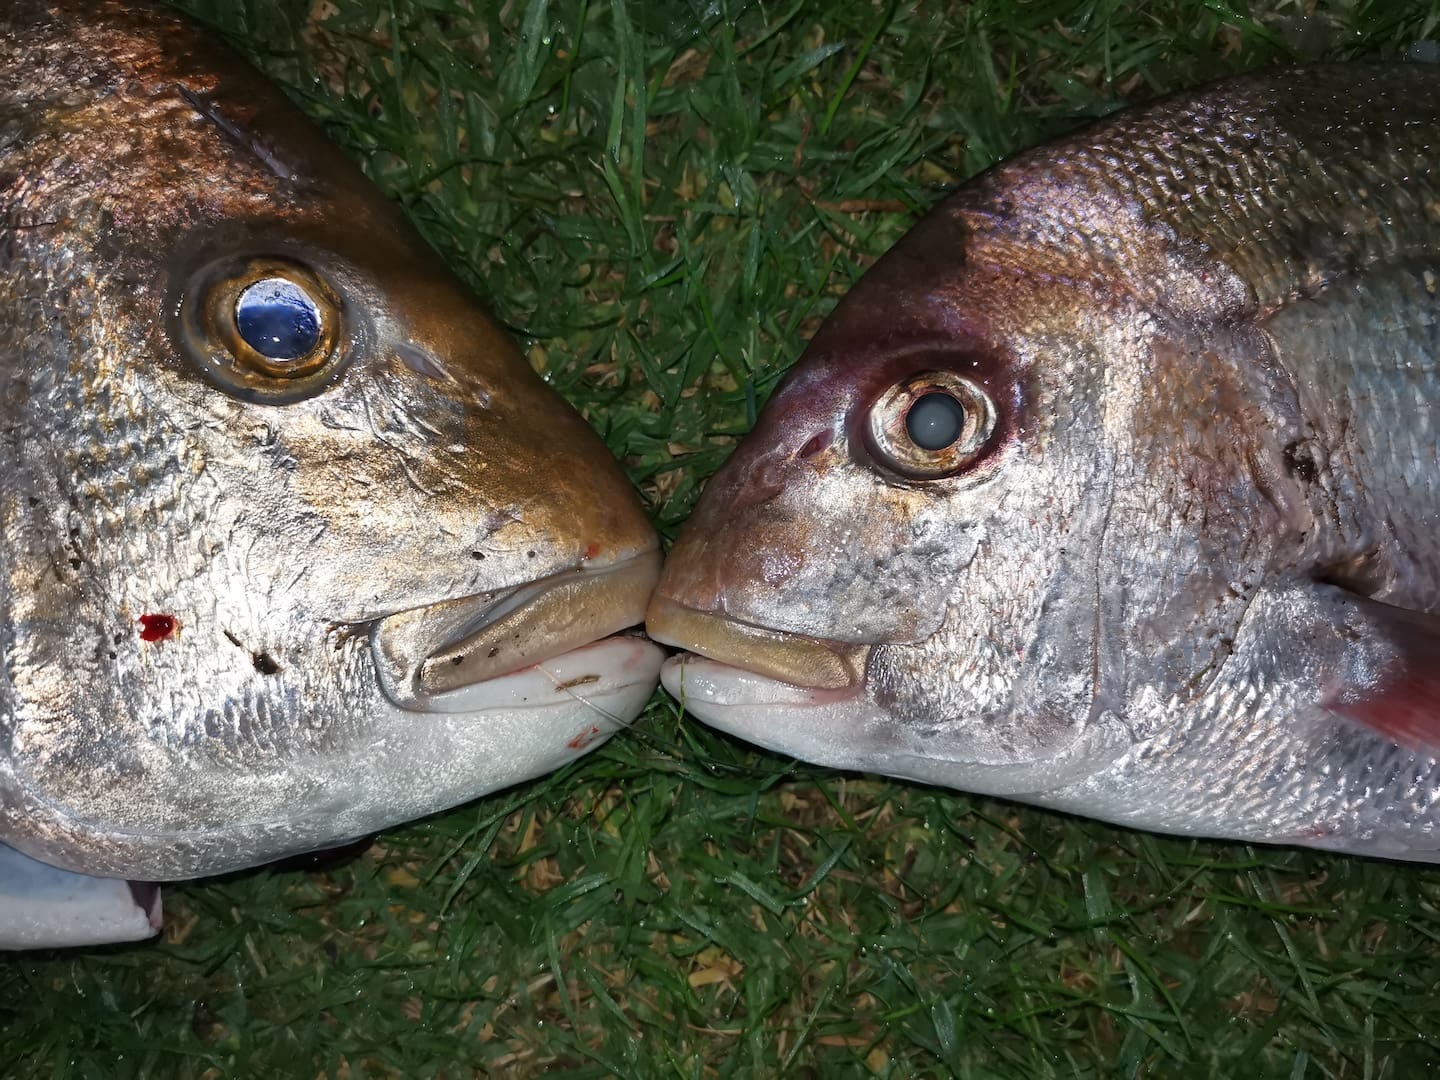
295 544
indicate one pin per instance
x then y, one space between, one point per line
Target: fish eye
278 319
262 329
930 425
935 421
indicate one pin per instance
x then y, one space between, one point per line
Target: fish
296 544
1113 486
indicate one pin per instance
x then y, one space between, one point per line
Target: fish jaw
528 680
427 652
405 764
848 729
812 699
532 721
420 745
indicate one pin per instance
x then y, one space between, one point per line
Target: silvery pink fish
1114 487
295 544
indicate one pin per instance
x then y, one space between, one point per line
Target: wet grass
662 199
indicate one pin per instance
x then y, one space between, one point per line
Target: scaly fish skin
276 493
1177 567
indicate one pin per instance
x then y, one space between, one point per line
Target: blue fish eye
935 421
278 319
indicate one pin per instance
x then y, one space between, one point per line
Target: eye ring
263 329
930 425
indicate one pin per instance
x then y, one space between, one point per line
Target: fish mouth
798 660
424 653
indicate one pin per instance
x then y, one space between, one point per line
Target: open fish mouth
427 657
802 662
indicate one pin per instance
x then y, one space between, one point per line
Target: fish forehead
134 86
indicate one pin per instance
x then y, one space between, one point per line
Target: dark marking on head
236 134
423 362
232 639
579 680
264 664
1300 461
157 627
1363 574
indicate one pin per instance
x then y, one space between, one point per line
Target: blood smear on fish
156 627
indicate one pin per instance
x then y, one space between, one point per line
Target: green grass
662 199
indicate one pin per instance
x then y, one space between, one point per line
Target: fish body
296 546
1114 486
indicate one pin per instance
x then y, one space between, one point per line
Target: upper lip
428 650
797 659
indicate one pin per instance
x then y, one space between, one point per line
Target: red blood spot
156 627
592 551
584 739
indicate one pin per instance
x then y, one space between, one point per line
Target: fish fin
42 907
1388 680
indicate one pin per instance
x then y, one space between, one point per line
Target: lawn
662 199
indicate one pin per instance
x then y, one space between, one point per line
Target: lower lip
600 668
695 676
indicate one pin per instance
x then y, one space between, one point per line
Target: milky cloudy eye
935 421
263 329
930 425
278 319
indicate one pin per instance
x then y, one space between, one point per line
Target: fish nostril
816 444
766 480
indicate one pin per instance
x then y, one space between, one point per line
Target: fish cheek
156 738
1018 664
1011 675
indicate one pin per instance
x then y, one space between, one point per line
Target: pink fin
1391 678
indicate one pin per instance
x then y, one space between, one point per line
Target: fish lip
798 660
423 652
692 678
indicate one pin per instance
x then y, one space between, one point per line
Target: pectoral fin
42 907
1388 675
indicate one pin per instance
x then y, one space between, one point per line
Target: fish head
910 565
296 543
